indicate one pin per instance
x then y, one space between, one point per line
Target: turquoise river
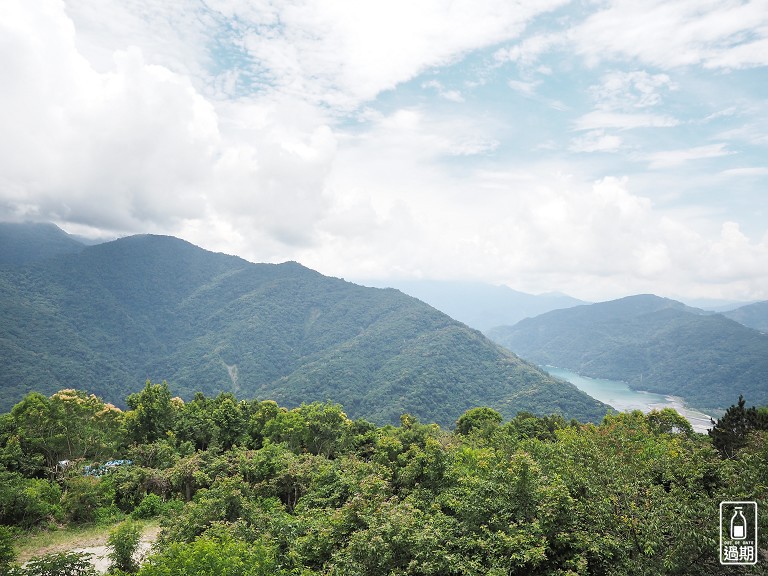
623 398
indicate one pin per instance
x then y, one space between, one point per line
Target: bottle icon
738 524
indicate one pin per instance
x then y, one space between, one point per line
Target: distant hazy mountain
111 316
752 315
481 306
654 344
21 243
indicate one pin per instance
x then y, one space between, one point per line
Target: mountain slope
654 344
752 315
482 306
115 314
21 243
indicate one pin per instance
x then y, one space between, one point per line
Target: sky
598 148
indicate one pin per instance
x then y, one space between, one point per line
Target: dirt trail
97 546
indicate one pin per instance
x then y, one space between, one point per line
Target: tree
70 425
152 413
123 542
482 419
729 433
230 420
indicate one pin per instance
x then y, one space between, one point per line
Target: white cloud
672 33
519 227
620 90
525 88
343 53
600 119
137 148
261 135
72 137
596 141
527 52
750 171
450 95
671 158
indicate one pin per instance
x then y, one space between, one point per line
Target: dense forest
246 488
156 307
652 343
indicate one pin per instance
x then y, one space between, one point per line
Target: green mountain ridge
110 316
24 242
752 315
654 344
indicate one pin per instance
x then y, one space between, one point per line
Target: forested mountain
752 315
111 316
654 344
482 306
21 243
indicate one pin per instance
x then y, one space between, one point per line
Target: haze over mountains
481 306
105 318
654 344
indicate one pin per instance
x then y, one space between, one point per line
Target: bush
108 515
208 555
7 553
83 496
149 507
124 542
58 564
27 502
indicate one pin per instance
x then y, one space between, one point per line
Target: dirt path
97 546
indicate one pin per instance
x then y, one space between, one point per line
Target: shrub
124 542
27 502
208 555
108 515
58 564
7 553
149 507
84 495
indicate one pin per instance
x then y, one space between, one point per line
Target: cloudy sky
595 147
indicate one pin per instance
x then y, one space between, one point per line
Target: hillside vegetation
752 315
247 488
654 344
113 315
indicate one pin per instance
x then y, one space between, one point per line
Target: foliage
83 496
57 564
151 413
308 491
44 434
482 420
123 542
214 554
27 502
729 433
151 506
7 553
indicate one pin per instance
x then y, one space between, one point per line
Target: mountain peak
113 315
26 242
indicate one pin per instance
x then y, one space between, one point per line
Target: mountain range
652 343
753 315
480 306
106 318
